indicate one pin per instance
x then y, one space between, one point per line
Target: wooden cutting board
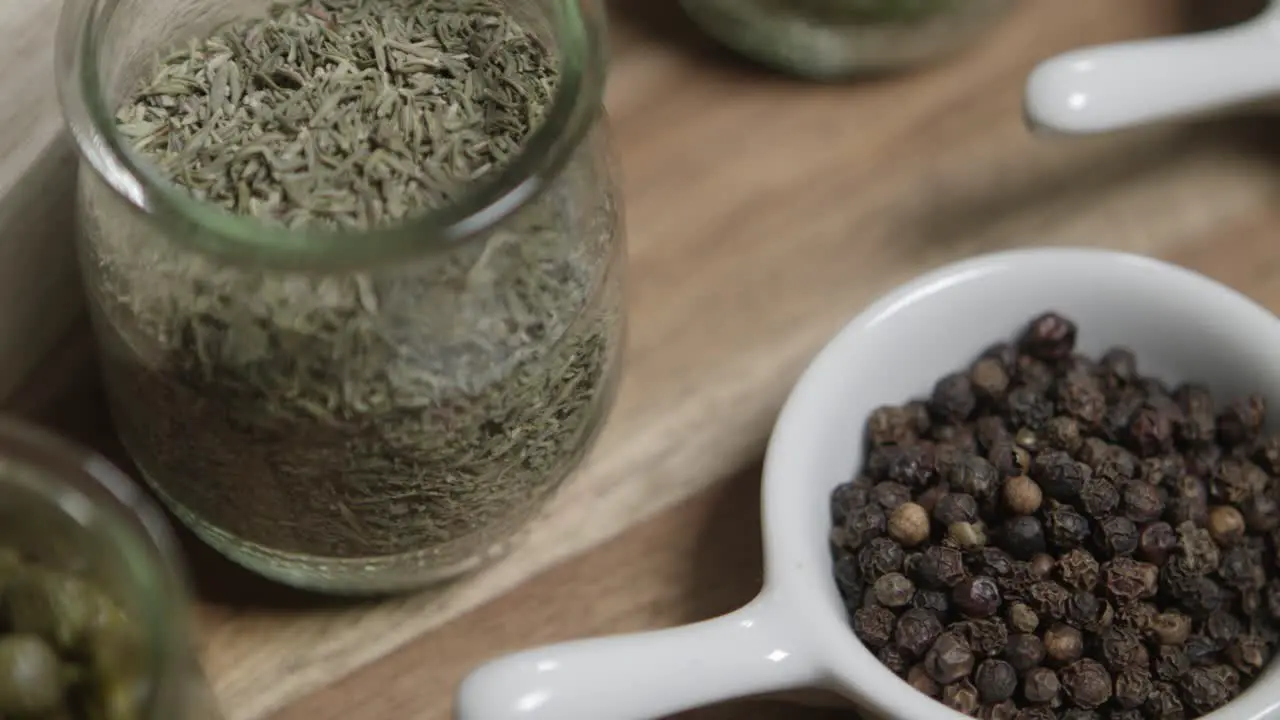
763 213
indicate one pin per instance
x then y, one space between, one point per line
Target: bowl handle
1122 85
644 675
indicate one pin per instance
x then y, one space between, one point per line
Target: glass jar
72 513
829 39
351 412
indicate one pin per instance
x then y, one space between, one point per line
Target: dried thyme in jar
375 425
827 39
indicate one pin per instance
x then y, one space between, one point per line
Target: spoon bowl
795 634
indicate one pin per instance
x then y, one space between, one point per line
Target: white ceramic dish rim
794 634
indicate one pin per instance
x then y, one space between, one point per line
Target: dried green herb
422 410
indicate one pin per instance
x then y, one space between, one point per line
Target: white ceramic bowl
795 633
1122 85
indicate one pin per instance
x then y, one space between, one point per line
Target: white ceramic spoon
1117 86
796 633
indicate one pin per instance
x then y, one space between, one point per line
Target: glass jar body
90 534
372 428
831 39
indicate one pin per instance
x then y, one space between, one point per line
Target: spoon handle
641 676
1122 85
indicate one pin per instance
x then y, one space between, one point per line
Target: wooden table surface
763 213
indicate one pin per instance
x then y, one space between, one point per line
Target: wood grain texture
39 295
763 213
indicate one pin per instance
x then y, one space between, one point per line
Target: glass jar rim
245 240
84 485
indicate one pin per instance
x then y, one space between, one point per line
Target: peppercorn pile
1053 536
67 652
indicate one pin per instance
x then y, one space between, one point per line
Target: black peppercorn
1140 502
1040 686
1151 431
1048 337
949 660
1099 497
1086 683
976 597
1201 650
1248 654
1063 433
996 680
1063 644
1116 536
1261 513
1198 552
916 631
1080 397
860 526
1059 476
1235 481
894 659
1042 565
1085 610
1126 579
893 590
961 696
1170 662
955 507
848 580
1136 616
878 557
1049 599
1024 651
953 399
918 678
846 497
909 524
1209 688
1007 710
873 626
1170 627
1163 703
1022 618
1226 525
1132 687
1240 421
940 568
1242 568
975 475
1122 648
986 637
1065 527
1022 495
989 378
889 425
1022 536
1079 569
935 601
1028 406
1156 541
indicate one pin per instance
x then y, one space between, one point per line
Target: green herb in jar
67 650
827 39
418 412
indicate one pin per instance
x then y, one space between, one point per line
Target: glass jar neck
100 49
92 520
